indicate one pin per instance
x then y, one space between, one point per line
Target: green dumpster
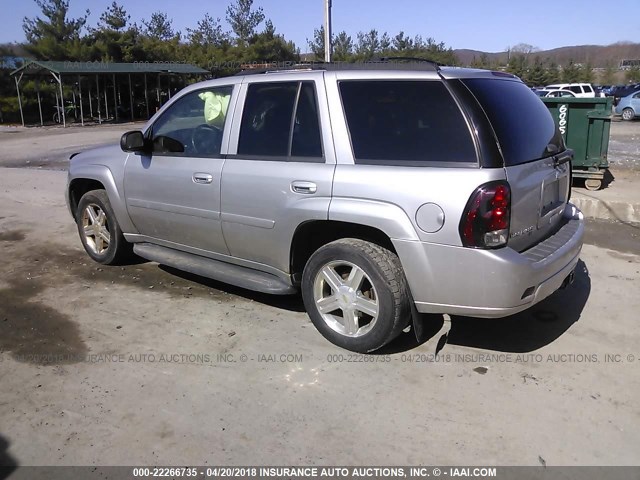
584 124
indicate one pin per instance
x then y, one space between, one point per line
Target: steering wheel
206 139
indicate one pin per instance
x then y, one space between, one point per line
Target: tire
628 114
350 275
99 231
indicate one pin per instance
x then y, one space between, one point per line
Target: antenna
327 31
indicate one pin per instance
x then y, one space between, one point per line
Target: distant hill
598 55
466 56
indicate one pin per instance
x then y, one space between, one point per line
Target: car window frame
237 123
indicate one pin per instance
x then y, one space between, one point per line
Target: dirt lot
50 147
624 144
145 365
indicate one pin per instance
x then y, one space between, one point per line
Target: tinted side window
306 141
576 89
266 119
523 124
267 128
405 123
195 122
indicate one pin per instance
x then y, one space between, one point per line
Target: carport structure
96 77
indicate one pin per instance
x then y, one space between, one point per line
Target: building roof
38 67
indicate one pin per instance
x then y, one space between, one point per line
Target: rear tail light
485 220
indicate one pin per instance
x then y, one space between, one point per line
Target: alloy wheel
346 298
95 229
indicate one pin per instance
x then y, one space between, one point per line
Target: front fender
103 174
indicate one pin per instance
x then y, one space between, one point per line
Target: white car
559 93
580 90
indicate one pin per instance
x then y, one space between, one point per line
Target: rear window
409 123
523 124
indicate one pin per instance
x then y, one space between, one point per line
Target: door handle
202 178
308 188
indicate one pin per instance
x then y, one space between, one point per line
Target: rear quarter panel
357 189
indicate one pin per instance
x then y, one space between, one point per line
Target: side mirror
133 141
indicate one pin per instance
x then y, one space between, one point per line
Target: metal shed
103 72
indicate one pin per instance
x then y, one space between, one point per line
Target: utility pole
327 31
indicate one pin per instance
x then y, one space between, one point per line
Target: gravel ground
624 145
50 147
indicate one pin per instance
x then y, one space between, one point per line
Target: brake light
485 220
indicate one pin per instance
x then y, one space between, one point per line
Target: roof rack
419 60
382 63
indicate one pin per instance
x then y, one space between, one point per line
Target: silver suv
380 191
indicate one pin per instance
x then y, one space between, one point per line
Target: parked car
599 91
377 191
629 106
559 93
581 90
621 91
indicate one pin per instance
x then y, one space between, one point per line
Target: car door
279 170
173 192
635 103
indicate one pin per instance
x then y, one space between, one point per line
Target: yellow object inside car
215 108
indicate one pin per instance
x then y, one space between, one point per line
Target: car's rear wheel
628 114
356 294
99 231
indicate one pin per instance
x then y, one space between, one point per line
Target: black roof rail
437 65
284 66
382 63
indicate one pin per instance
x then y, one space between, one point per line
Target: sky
486 25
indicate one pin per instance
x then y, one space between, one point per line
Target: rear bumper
490 283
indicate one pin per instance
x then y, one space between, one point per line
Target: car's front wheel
628 114
99 231
356 294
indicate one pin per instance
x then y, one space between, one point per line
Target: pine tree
244 19
54 35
